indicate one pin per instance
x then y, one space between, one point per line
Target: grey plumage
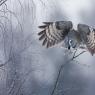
55 32
87 34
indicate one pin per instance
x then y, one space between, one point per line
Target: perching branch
61 68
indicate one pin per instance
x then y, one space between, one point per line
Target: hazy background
29 68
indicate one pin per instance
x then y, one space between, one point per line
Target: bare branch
2 2
61 68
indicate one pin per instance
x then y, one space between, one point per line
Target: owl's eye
70 42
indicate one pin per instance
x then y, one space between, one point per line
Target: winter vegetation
27 68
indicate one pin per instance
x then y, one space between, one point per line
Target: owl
53 33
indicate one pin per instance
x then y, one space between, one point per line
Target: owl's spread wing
88 37
53 32
91 41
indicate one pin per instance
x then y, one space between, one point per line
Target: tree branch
61 68
2 2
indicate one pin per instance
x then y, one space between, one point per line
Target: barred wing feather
53 33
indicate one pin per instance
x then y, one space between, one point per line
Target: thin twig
61 68
78 54
2 2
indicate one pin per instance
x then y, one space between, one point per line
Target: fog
27 68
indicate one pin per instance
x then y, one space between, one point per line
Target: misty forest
28 68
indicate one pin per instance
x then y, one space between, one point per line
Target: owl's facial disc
61 25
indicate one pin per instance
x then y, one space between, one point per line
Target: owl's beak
69 47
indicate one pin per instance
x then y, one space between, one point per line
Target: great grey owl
56 32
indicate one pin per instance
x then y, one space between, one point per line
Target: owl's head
71 40
61 25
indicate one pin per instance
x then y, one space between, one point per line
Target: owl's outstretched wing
54 32
91 41
88 37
